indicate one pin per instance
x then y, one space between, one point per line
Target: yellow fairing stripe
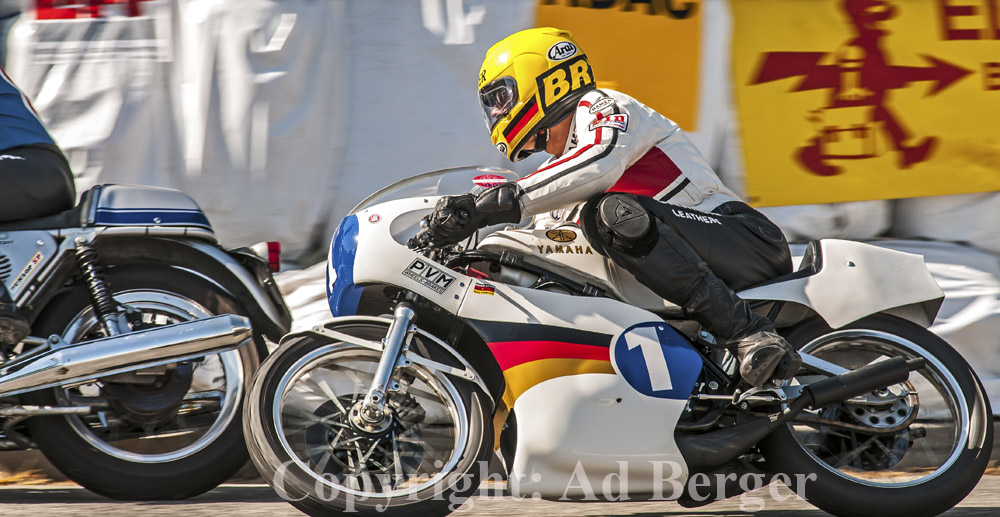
524 376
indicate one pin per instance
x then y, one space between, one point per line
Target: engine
566 251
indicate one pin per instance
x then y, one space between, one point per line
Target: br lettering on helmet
529 82
569 76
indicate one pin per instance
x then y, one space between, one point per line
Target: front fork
373 411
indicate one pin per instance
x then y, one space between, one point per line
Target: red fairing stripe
649 175
512 353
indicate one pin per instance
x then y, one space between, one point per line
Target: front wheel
424 460
916 448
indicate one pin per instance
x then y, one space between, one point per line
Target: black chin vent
4 267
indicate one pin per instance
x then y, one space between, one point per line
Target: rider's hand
455 218
452 220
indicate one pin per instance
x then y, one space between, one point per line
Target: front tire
929 465
173 439
428 460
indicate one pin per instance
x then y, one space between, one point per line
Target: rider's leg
691 258
35 181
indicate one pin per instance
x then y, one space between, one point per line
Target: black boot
765 356
13 325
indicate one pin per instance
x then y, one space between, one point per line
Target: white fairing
572 425
593 434
854 281
857 280
581 436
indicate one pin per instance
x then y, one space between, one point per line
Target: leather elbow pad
499 205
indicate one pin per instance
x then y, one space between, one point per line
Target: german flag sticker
484 288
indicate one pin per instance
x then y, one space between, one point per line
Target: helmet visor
497 98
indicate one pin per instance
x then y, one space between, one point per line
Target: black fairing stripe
501 331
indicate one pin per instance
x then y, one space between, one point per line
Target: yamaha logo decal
561 235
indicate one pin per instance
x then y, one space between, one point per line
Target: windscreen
446 182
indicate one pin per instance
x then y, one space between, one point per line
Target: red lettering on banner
994 18
991 76
73 9
989 9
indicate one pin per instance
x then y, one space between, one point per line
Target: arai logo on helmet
489 180
562 50
502 147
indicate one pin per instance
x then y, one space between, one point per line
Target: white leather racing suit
705 242
618 144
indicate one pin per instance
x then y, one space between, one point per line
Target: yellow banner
647 49
845 100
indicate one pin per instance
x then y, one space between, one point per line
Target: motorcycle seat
73 218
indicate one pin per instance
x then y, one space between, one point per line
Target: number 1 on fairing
652 353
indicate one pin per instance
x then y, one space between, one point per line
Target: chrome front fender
326 331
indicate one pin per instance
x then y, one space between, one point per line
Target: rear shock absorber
97 285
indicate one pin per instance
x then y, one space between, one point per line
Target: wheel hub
888 408
363 423
151 404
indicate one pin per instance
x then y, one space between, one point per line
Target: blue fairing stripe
342 294
140 216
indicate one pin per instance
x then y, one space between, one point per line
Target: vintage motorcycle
590 387
146 335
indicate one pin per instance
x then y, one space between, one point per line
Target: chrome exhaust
90 360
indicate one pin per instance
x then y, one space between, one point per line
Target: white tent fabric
967 218
279 116
969 319
854 220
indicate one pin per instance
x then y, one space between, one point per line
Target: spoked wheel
915 448
162 433
308 438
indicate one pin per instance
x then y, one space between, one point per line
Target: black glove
451 221
455 218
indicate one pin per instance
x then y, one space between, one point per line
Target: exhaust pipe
90 360
716 448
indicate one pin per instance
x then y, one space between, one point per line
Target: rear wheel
167 433
916 448
423 461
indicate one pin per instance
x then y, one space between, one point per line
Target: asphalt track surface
253 500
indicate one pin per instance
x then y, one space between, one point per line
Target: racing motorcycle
590 387
146 334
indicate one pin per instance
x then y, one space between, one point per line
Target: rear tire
863 483
87 453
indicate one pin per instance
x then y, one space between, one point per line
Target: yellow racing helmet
530 81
